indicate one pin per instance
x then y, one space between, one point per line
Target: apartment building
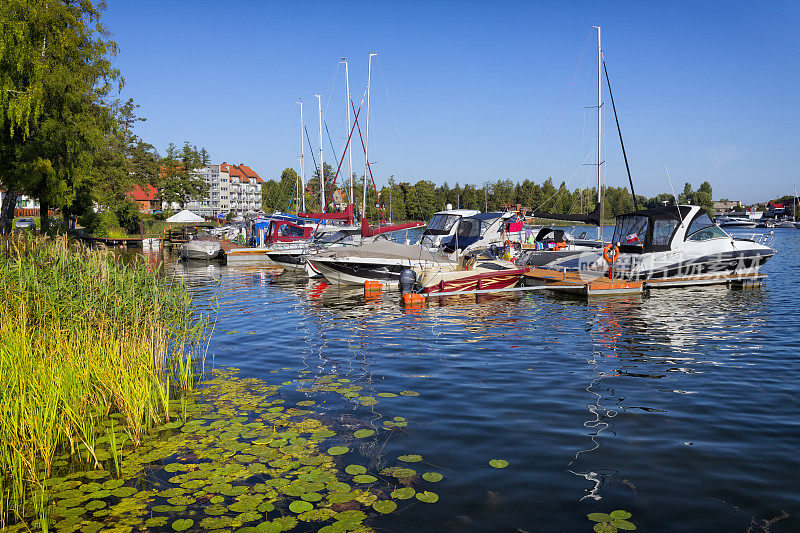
231 188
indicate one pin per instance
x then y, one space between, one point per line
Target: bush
128 216
98 224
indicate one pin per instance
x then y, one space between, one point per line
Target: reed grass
83 335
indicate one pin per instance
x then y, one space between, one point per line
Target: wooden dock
590 283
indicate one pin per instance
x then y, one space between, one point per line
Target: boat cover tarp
386 249
592 218
185 216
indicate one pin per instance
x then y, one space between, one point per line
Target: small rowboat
484 275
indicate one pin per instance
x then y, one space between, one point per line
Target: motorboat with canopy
680 242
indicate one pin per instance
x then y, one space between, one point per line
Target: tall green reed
83 334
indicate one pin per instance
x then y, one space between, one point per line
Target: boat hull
463 281
357 271
721 264
204 252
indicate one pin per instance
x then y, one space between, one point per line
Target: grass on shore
82 335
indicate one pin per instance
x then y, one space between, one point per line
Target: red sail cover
366 231
346 215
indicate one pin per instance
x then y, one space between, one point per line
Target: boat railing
764 239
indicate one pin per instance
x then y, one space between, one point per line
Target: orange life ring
614 249
560 245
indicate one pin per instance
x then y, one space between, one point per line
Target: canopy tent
185 216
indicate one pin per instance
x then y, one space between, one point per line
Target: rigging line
624 155
394 116
569 91
369 167
311 148
330 89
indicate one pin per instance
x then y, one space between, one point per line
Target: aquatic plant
83 335
612 522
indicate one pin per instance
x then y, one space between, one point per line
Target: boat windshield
631 230
474 226
330 238
703 229
441 224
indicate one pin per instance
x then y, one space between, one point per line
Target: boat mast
366 140
321 165
347 108
302 154
599 133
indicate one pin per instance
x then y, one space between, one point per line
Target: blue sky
479 90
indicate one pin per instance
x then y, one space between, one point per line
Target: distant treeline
418 201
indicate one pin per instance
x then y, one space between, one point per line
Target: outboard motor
408 280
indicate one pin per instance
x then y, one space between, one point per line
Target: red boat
485 275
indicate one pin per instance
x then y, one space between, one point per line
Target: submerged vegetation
85 340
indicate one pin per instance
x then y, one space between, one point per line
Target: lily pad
409 393
300 506
433 477
365 478
624 525
604 527
311 496
363 433
384 506
428 497
620 515
338 450
410 458
500 463
182 524
599 517
123 492
404 493
355 470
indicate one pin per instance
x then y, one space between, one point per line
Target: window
707 233
469 227
441 224
662 231
701 222
631 230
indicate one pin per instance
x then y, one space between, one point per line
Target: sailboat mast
347 108
302 166
321 165
366 140
599 133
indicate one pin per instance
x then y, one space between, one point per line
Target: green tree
178 181
56 65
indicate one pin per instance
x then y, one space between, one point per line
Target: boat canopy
649 230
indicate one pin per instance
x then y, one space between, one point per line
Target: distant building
231 188
146 198
727 205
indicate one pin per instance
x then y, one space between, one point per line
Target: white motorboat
680 242
442 225
201 249
381 261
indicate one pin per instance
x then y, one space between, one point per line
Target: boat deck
588 283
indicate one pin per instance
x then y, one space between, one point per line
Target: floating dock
591 283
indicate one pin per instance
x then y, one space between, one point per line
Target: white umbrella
185 216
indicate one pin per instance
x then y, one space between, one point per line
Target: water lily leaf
269 527
300 506
217 499
410 458
620 515
266 507
428 497
604 527
384 506
404 493
316 515
599 517
182 524
341 497
498 463
338 450
355 470
621 524
365 478
433 477
363 433
387 395
123 492
409 393
94 505
156 521
311 496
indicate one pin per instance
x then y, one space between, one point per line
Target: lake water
681 407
